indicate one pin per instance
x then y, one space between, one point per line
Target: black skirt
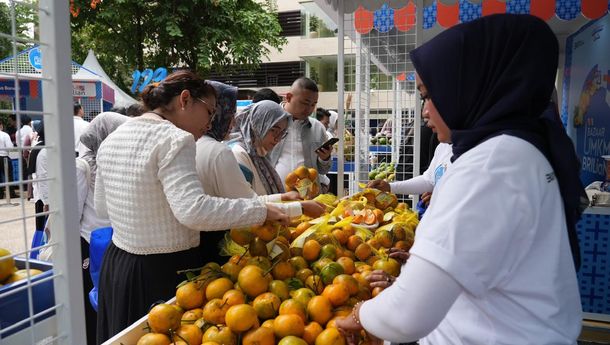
209 246
130 284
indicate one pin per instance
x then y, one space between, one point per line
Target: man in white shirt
80 125
5 142
305 134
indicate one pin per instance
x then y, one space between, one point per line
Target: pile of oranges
303 180
288 288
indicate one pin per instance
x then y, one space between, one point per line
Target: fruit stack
385 171
304 181
9 272
288 285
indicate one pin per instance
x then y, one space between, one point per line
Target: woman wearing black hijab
494 260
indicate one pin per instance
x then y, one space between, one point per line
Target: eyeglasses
423 98
278 134
212 112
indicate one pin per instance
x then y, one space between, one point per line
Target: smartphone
328 144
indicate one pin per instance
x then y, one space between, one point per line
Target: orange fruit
311 250
329 251
303 274
363 251
210 343
330 336
191 333
220 335
340 236
190 316
217 288
311 332
283 270
349 230
241 236
347 264
252 281
265 232
232 270
313 174
238 260
233 297
376 291
288 324
390 266
320 309
266 305
280 289
302 295
399 233
215 310
342 311
241 318
301 172
268 324
358 219
378 214
314 283
402 245
298 262
291 179
369 217
154 339
373 242
291 306
301 228
353 242
337 294
190 295
372 259
292 340
350 282
259 336
260 261
385 238
164 317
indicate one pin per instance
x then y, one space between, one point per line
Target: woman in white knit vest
147 185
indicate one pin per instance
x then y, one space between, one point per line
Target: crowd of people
166 179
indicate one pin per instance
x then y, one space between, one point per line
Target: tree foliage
196 34
25 21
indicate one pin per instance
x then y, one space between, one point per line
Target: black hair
77 108
135 109
266 94
25 120
322 113
120 110
306 84
161 94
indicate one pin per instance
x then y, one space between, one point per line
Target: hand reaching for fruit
292 195
303 181
382 185
379 278
276 214
312 208
399 255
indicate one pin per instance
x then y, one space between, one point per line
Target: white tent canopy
121 98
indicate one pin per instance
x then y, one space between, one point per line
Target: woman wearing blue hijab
495 258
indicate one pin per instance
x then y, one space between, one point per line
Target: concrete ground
12 227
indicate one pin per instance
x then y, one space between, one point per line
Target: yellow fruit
215 310
266 305
220 335
6 265
291 306
190 316
21 275
190 295
311 332
301 172
233 297
252 281
320 310
291 179
217 288
164 317
241 318
292 340
330 336
154 339
313 174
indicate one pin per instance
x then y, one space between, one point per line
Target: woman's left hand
313 208
379 278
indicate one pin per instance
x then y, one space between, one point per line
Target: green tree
196 34
25 22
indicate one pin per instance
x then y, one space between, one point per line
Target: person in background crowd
38 167
5 144
323 116
333 127
86 167
220 175
135 109
119 110
469 276
147 185
266 94
305 134
80 125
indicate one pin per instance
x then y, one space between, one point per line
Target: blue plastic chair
100 239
